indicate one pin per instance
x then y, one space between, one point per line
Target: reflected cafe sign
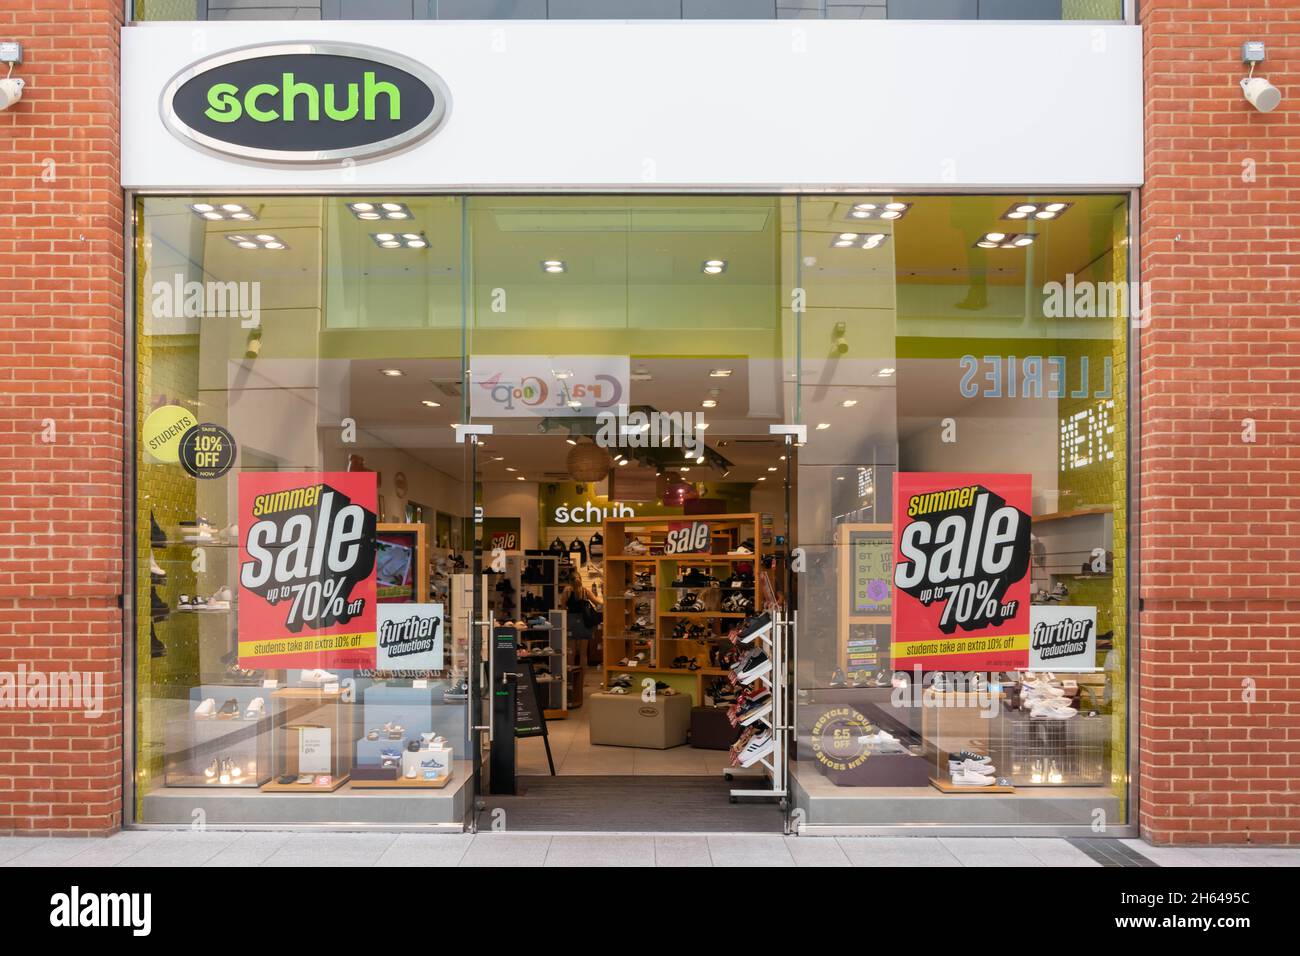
304 102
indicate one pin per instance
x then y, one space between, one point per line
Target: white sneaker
318 676
1056 708
970 766
255 709
964 778
635 547
206 709
881 740
759 747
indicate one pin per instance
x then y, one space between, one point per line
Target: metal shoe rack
774 765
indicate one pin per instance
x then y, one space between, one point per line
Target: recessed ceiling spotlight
508 468
499 458
622 463
571 441
714 267
553 266
885 372
720 373
839 477
709 403
371 211
391 372
699 460
699 426
229 210
400 240
574 404
865 240
848 403
1004 240
871 210
520 478
822 426
771 468
762 478
561 375
1036 210
264 240
429 403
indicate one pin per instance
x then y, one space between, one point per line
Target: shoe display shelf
957 720
773 639
622 641
501 589
1047 752
554 692
398 713
539 582
225 749
312 737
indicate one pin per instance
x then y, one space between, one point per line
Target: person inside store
583 613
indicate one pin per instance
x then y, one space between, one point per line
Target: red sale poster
307 569
961 571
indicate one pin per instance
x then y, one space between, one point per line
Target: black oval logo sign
304 102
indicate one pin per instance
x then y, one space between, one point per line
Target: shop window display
306 518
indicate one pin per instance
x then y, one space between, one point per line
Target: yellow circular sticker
163 430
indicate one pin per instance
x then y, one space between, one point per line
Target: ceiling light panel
377 211
1004 240
1042 211
400 240
259 240
217 212
876 209
860 240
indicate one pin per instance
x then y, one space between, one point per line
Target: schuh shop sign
304 102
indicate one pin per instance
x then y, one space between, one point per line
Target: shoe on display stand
156 537
208 708
318 676
156 573
157 648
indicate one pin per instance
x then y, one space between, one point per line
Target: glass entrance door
624 360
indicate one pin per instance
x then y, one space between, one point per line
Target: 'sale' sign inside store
304 102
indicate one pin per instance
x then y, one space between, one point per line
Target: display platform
230 807
825 804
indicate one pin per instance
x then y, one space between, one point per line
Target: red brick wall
1220 517
61 352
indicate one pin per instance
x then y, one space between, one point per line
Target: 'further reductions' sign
304 102
307 569
1062 638
410 637
961 571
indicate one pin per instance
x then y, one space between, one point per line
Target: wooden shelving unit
726 533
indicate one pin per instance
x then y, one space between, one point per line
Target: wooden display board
866 587
413 537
